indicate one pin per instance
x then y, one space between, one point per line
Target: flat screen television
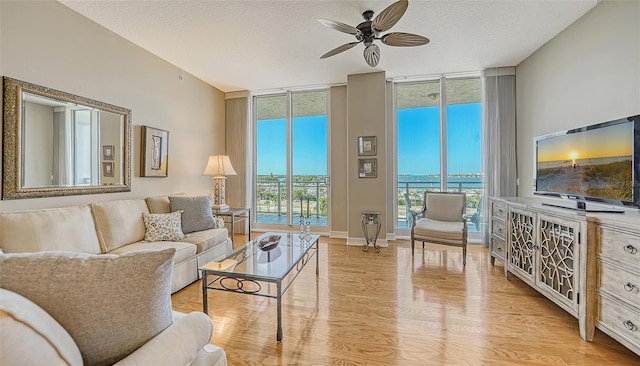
598 163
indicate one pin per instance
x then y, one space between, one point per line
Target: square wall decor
367 168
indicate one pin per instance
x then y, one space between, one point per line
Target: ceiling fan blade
372 54
346 28
339 49
400 39
389 16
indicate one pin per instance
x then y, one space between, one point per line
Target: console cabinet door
522 248
557 268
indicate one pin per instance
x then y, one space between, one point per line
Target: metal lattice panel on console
522 245
557 243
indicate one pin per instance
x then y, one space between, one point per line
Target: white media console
586 262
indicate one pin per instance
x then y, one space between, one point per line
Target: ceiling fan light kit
369 31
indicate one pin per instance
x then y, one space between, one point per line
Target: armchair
442 220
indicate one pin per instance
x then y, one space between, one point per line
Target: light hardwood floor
390 309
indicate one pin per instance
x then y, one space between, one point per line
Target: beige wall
587 74
45 43
366 99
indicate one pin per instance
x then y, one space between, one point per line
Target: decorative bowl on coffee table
269 242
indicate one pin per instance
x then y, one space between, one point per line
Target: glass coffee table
249 267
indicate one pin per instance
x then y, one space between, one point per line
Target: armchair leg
413 244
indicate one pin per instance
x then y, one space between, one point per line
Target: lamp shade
219 165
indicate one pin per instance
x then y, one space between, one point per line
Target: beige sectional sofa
111 227
80 285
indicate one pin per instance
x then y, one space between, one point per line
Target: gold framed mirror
58 144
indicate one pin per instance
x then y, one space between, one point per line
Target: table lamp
219 166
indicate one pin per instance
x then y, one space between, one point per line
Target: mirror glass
61 144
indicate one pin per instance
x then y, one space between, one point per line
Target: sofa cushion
68 228
161 204
197 213
184 251
119 222
206 239
110 305
163 227
30 336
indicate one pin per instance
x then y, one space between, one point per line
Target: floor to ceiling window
438 144
291 139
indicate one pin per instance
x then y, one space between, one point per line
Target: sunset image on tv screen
594 163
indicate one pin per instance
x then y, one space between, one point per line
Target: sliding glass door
438 135
291 139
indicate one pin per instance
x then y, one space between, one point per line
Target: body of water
431 181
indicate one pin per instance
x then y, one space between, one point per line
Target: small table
234 214
249 266
371 218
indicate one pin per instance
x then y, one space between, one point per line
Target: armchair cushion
197 214
110 305
444 206
443 230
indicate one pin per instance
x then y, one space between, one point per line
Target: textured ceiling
261 45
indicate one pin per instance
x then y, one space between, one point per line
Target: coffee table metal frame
226 279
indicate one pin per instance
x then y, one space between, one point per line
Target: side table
371 220
234 214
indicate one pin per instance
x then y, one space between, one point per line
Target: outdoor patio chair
409 213
476 217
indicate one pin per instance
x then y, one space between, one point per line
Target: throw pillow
163 227
110 305
196 215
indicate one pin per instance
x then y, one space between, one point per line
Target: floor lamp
219 166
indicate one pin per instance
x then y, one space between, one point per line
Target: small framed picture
367 168
107 152
107 169
155 148
367 145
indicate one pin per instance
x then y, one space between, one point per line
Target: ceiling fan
369 30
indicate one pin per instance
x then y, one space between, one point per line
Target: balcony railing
473 186
309 199
272 205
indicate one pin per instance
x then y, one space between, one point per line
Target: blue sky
418 145
419 140
309 146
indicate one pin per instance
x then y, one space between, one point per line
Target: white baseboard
361 242
339 234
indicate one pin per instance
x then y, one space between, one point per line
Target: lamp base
222 207
218 193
